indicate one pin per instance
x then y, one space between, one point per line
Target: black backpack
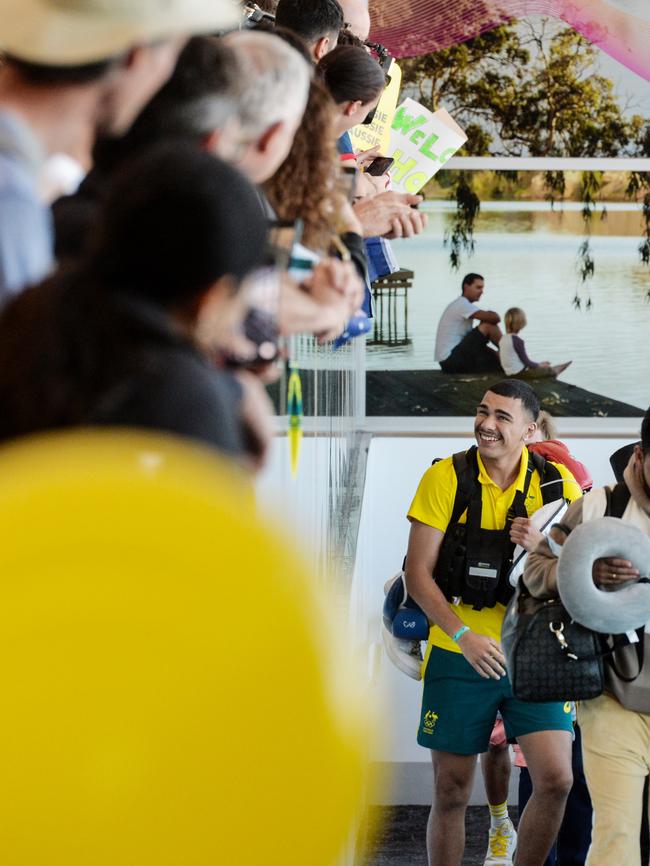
466 467
474 563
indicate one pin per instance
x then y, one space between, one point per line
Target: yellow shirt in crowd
433 504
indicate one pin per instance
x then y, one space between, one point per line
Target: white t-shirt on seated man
454 324
461 348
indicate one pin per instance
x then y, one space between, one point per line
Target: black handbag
550 657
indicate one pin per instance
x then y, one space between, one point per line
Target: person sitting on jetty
512 351
461 347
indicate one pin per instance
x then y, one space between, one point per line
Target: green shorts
459 708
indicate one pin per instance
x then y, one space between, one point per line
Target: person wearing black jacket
114 340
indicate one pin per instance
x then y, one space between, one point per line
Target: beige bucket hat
75 32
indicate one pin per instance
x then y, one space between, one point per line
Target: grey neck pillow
618 612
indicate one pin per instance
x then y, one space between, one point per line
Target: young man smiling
459 550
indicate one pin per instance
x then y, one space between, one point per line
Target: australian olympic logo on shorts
429 723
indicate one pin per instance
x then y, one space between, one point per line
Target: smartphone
283 235
380 165
260 326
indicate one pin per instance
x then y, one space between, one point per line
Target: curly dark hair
308 183
347 37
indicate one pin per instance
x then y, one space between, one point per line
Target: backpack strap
518 507
617 499
467 483
466 469
551 481
468 490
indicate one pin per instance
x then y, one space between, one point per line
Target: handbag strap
622 640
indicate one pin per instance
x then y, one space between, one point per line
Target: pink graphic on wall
413 27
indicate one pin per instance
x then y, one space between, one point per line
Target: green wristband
461 631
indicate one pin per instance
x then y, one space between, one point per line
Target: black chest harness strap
473 563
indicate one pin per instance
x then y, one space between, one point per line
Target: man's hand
333 317
484 655
336 286
333 275
390 214
347 220
610 573
523 532
324 303
377 183
365 188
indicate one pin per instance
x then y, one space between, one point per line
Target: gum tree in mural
531 89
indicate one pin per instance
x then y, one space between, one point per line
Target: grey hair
204 115
274 81
199 98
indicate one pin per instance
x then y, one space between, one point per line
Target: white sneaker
502 845
406 655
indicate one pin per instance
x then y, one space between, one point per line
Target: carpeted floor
400 836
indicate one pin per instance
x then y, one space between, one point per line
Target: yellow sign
377 133
421 143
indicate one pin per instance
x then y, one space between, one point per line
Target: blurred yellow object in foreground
167 689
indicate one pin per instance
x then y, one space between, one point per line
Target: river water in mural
527 253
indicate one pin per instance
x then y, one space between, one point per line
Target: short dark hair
518 390
42 75
311 19
645 433
468 279
351 74
294 40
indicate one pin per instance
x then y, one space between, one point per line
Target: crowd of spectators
174 143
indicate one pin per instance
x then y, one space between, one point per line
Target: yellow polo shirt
433 504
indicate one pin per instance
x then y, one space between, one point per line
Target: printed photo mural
571 249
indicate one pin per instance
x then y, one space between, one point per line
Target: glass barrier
327 478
